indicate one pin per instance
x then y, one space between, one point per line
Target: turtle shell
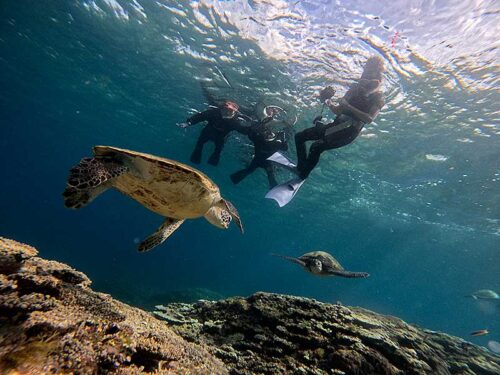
164 186
326 259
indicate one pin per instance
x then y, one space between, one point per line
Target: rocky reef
276 334
52 322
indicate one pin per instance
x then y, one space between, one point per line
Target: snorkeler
359 106
266 142
220 122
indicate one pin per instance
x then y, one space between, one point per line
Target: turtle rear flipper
352 275
89 178
162 233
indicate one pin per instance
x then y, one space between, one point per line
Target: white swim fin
279 158
284 193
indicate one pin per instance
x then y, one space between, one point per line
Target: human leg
204 137
313 158
309 134
238 176
270 170
219 141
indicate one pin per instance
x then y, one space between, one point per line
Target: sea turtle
485 294
166 187
323 264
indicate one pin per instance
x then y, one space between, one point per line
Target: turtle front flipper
162 233
89 178
352 275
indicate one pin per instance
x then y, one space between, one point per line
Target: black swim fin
284 193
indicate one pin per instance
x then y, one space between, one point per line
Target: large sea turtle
166 187
323 264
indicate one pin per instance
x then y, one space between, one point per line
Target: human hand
317 119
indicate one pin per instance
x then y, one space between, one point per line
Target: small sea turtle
166 187
485 294
323 264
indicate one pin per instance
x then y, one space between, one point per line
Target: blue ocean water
414 201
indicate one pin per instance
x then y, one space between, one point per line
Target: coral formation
277 334
52 322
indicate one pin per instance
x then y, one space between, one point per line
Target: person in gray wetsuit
359 106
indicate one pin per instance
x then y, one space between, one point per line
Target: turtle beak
234 214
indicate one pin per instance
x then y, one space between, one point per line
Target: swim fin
284 193
279 158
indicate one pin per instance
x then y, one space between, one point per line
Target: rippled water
414 201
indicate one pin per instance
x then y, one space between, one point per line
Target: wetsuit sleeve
246 111
202 116
377 105
368 113
337 109
236 124
243 129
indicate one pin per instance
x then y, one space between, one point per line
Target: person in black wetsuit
266 142
360 105
220 122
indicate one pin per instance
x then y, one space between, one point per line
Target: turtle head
222 213
315 266
219 217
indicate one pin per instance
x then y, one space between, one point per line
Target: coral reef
276 334
52 322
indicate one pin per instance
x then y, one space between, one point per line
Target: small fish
481 332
